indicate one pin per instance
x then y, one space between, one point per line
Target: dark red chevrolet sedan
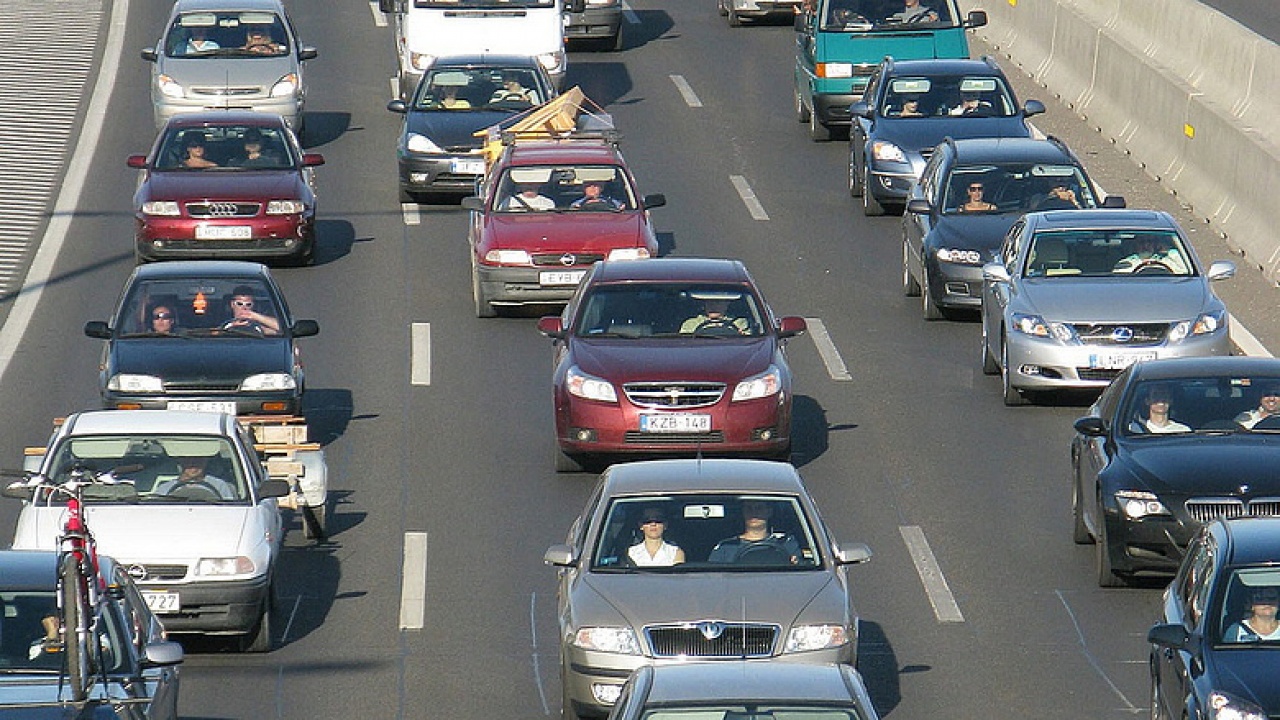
670 356
226 185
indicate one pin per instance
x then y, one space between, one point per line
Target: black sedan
1216 650
1172 444
210 335
438 150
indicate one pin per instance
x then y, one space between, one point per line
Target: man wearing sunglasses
245 315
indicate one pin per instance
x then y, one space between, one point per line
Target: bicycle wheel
75 626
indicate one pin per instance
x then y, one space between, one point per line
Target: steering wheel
762 553
198 490
250 327
1152 267
717 326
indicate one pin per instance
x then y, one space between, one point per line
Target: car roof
1173 368
28 569
942 66
485 60
1249 540
147 422
766 682
1106 218
587 152
673 270
185 6
202 268
1010 149
223 118
702 475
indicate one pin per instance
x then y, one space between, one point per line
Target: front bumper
763 8
280 403
233 607
954 286
1036 364
504 285
890 182
290 108
594 23
440 173
1154 544
832 109
273 236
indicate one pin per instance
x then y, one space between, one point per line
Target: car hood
983 232
259 72
1203 464
453 128
150 533
176 359
764 597
540 232
1118 299
221 185
1248 674
920 133
704 359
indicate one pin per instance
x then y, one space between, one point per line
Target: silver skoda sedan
1077 296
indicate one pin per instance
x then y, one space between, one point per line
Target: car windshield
185 308
671 310
249 34
484 88
1107 253
1249 598
948 96
713 532
225 148
187 469
568 188
1014 188
888 15
752 712
29 635
1213 404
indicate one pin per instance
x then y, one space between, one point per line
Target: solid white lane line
537 668
1088 655
748 197
413 579
379 17
935 585
1245 340
410 213
686 91
827 349
297 603
420 353
630 14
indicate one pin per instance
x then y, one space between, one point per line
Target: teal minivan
840 43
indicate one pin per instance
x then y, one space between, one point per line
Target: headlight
765 384
803 638
267 382
607 639
169 87
421 144
1206 324
590 387
222 567
628 254
166 208
1036 326
508 257
420 61
887 152
834 70
958 256
286 207
135 383
552 62
1229 707
1137 504
285 86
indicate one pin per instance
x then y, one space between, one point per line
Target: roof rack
568 116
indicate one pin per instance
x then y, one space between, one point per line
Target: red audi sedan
670 356
226 185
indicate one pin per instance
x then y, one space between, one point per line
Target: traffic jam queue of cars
684 584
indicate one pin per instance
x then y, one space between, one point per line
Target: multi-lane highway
446 439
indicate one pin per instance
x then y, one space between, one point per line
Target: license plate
1118 361
224 232
675 423
203 406
570 277
162 602
468 167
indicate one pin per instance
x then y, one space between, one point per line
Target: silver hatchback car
229 55
679 560
1077 296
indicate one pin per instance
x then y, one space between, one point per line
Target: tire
1012 396
1156 713
910 286
817 131
871 207
990 365
258 640
75 627
802 111
1107 576
1079 530
567 462
484 308
616 43
855 178
929 309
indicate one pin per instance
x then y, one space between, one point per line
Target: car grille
1205 509
673 394
636 437
163 572
222 91
1096 374
1122 334
201 386
731 640
566 259
223 209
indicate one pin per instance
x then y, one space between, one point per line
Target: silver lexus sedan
679 560
1077 296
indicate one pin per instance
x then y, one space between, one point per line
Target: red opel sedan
666 357
226 185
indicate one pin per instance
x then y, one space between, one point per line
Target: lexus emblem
137 572
711 629
568 259
1122 334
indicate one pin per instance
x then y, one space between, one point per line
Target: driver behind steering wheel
245 316
757 536
193 475
714 315
913 12
1153 253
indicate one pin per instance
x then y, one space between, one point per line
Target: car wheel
1079 531
1157 712
484 308
802 110
1107 576
735 20
990 365
259 639
855 178
871 207
817 131
1012 395
616 42
566 703
910 286
929 309
567 462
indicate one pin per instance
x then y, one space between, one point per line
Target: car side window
1193 587
1009 251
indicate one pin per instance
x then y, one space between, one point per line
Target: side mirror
860 109
150 54
162 653
274 487
1114 202
398 106
919 206
976 19
97 329
312 159
137 161
305 328
552 326
1091 426
473 202
653 201
791 326
306 52
1032 107
995 272
19 490
1221 270
1169 635
855 554
559 556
